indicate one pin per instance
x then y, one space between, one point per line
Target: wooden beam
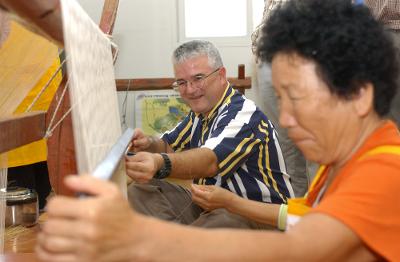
142 84
241 76
21 130
108 16
46 15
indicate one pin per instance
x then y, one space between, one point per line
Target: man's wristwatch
165 171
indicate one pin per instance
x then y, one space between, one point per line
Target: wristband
282 217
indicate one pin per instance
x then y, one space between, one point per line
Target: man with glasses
224 141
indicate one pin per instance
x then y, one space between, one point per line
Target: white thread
125 104
50 129
45 87
3 186
95 113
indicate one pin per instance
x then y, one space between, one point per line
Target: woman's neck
365 131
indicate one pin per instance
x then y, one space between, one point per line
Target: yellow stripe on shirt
236 151
248 149
275 186
182 133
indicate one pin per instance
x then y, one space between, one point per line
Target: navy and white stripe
245 142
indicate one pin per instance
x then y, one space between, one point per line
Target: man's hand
211 197
142 166
141 142
96 228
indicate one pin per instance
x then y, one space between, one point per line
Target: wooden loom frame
27 128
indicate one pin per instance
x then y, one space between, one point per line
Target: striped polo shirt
246 145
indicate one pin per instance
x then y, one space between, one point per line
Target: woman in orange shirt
334 71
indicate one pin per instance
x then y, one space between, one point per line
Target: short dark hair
348 45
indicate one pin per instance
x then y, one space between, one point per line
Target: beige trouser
171 202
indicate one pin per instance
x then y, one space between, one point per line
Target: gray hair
196 48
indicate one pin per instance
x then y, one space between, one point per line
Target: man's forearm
194 163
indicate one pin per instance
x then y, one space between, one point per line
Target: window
215 18
221 21
258 10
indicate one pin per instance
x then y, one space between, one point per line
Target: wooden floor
19 243
20 239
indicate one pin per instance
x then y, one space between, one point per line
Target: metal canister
22 207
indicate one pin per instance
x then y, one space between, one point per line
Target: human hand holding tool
94 228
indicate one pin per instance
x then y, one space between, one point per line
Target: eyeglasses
198 81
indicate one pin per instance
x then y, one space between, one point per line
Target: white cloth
95 114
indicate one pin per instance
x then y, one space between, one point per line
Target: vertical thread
3 186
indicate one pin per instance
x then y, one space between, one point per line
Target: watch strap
164 171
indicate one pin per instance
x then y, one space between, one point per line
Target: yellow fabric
299 206
36 151
383 149
24 58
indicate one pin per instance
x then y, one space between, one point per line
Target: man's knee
221 218
145 192
141 194
163 200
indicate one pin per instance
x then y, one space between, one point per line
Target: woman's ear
364 100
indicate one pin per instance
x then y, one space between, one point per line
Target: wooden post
241 75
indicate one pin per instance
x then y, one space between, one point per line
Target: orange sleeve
367 200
